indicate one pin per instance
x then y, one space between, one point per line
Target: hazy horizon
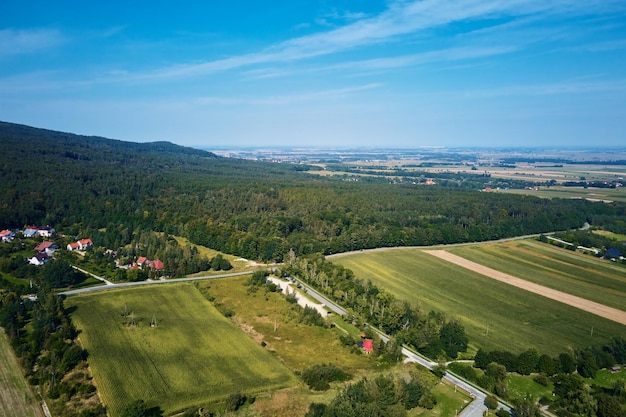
390 74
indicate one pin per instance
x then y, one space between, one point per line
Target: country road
149 282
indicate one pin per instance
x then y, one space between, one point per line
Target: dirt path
598 309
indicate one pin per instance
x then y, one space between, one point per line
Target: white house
39 259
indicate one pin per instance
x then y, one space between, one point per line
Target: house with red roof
47 247
142 260
157 265
80 245
6 235
84 244
368 346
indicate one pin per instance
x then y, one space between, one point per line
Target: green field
193 356
603 194
16 398
495 315
578 274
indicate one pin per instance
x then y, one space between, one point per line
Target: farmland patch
170 347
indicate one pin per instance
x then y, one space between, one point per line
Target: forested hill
68 145
108 190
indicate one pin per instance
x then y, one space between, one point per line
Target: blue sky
319 73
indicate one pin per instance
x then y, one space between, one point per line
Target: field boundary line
592 307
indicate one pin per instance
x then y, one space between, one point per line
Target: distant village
44 251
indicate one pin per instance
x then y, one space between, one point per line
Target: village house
7 235
142 261
82 244
39 259
47 247
32 231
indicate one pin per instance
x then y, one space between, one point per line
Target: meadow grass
561 269
615 236
450 402
606 378
268 317
193 356
16 398
495 315
521 386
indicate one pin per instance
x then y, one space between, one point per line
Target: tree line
573 395
44 339
428 332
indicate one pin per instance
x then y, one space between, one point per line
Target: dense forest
109 189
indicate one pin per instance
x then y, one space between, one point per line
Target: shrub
491 401
541 379
503 413
428 401
318 377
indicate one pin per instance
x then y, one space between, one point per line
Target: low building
73 246
6 235
47 247
82 244
157 265
39 259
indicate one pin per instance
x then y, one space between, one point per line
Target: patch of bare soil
256 336
598 309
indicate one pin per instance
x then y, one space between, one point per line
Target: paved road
151 282
107 282
322 299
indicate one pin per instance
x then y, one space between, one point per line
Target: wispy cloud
389 63
400 19
17 42
548 89
331 94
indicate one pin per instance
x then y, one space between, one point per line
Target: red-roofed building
157 264
84 243
368 346
73 246
142 260
47 247
6 235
